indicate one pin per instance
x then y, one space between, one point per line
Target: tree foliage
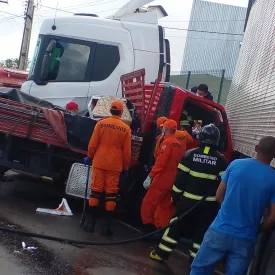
10 63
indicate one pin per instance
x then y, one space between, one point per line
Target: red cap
117 105
171 124
71 106
161 120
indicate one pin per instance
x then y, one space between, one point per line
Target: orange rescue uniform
159 140
185 139
163 175
110 149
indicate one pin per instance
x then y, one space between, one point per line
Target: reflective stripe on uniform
193 254
202 175
221 173
184 123
167 230
183 168
165 248
196 246
206 150
169 240
176 189
185 112
197 198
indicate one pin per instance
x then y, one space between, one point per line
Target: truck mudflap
76 182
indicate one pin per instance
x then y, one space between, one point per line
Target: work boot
107 224
154 256
89 223
107 230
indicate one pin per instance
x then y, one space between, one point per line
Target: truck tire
268 263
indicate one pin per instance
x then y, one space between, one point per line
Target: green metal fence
218 85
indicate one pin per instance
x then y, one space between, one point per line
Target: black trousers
193 226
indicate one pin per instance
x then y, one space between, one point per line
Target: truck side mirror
47 60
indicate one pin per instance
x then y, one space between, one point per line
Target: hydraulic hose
76 242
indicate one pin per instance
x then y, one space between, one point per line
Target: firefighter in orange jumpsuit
160 138
161 179
110 150
184 139
183 136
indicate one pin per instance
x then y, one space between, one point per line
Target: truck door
68 73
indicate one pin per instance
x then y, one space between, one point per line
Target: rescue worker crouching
110 150
198 175
160 180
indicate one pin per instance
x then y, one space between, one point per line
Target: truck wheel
268 263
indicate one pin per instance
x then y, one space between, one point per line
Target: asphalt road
18 202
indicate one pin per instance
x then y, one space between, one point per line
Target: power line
9 19
202 38
17 15
179 29
5 19
73 12
178 21
41 16
88 4
47 7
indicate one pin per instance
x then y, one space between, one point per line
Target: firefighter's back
170 168
206 166
113 133
184 139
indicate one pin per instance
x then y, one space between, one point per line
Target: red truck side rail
27 121
12 77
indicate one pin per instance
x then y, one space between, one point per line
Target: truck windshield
73 60
35 56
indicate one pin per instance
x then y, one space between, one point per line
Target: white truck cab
83 55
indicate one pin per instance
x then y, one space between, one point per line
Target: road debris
62 210
29 248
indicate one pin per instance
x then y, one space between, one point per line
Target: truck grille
77 181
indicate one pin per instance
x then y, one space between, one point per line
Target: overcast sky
12 22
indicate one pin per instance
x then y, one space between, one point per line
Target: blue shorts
216 246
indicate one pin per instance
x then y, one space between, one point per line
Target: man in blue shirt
246 190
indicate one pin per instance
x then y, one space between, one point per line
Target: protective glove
147 182
87 161
175 199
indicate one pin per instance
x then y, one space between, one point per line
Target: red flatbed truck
38 139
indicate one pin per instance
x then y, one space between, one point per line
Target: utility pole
24 52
